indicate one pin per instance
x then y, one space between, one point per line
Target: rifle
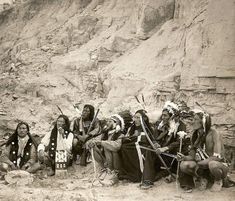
60 109
84 154
142 105
93 121
153 147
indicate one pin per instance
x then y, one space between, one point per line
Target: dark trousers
129 167
153 167
186 180
80 150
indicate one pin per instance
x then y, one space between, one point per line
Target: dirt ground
78 187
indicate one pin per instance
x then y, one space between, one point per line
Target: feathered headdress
171 107
119 120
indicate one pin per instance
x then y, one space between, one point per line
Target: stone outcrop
19 178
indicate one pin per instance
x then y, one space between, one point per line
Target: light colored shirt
62 143
22 143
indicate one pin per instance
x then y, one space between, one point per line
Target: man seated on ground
20 152
131 154
80 127
106 150
206 158
167 143
60 139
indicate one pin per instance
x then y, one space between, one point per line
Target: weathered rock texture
19 178
105 52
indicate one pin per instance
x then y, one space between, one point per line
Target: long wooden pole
154 148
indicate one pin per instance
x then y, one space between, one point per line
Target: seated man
20 152
106 149
60 139
206 157
80 127
131 155
167 142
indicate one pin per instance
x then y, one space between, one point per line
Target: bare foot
217 186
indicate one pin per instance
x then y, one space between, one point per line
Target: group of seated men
135 150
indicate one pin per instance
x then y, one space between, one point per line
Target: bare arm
218 144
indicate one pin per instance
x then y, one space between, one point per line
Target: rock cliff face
106 52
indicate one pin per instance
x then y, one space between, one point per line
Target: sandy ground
78 187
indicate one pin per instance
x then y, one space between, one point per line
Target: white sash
140 156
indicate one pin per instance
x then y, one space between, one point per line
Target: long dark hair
143 113
197 138
207 123
14 136
67 123
92 111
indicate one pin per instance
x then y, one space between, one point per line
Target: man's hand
76 135
82 138
61 131
181 134
41 155
180 157
98 142
93 143
126 139
156 145
25 166
13 167
161 150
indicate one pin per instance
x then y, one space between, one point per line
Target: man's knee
218 169
77 147
183 166
4 167
186 166
213 165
